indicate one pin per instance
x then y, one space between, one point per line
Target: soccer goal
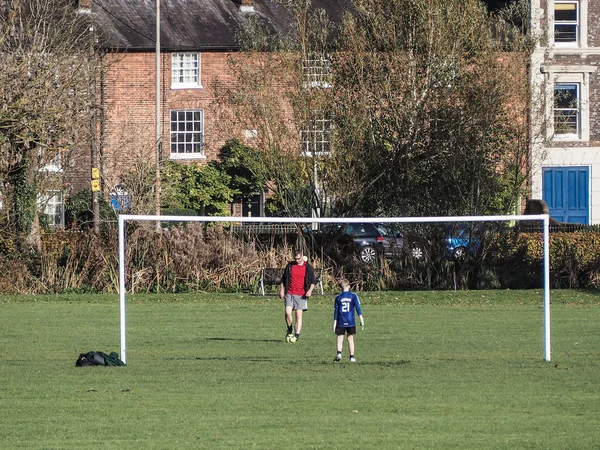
543 218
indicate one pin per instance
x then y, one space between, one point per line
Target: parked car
369 240
463 239
373 239
457 241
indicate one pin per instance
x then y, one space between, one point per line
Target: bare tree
45 67
430 110
271 101
427 99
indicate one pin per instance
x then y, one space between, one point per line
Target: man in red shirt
297 284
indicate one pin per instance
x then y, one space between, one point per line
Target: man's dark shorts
341 330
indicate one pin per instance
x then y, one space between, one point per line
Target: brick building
196 40
564 112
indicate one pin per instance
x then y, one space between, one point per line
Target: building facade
565 115
198 40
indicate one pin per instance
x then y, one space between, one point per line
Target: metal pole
546 222
95 158
158 114
122 286
317 210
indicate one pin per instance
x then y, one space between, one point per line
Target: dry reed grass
202 257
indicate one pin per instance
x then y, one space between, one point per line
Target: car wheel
367 254
417 252
460 253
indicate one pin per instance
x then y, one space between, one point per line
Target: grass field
445 370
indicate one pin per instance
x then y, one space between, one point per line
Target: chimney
84 6
245 5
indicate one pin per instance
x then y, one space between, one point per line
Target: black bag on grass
99 359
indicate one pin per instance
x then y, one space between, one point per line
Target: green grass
435 370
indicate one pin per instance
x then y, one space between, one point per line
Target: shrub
79 215
196 256
574 259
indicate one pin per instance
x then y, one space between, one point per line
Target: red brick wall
77 171
130 105
593 23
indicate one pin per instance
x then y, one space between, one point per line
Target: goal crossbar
544 218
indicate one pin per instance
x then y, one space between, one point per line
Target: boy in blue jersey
344 321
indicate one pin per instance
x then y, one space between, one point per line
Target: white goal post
544 218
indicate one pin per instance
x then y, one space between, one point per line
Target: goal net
462 238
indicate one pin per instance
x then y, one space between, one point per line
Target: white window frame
316 138
580 23
572 110
568 75
186 65
52 203
316 71
180 128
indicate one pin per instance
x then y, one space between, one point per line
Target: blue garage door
566 191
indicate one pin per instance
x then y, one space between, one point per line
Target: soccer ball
290 339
